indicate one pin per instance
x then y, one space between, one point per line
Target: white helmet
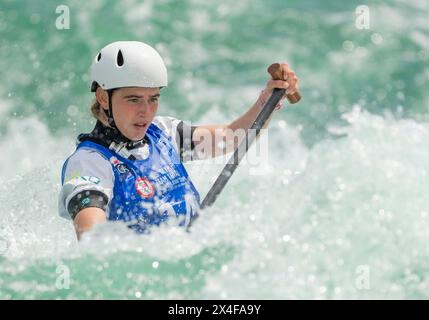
128 64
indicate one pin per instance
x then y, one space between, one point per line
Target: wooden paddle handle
276 72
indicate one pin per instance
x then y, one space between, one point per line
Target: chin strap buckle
120 148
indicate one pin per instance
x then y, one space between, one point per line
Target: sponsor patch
144 187
84 179
120 166
92 179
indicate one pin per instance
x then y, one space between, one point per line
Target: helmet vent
119 59
98 56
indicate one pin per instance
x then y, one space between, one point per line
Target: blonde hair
97 111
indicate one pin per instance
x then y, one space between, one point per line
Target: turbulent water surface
339 209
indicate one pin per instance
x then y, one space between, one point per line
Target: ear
102 98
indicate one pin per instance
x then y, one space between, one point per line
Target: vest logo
144 187
120 166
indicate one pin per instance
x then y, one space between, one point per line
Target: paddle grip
276 71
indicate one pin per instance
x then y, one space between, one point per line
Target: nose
143 107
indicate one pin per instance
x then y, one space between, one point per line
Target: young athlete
130 166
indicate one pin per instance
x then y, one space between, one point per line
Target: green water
347 184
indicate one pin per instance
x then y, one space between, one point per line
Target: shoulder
167 124
171 127
85 161
180 133
85 170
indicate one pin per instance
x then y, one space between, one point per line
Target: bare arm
215 140
87 218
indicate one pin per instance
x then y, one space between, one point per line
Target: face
133 109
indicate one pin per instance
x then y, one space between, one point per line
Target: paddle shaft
251 134
244 145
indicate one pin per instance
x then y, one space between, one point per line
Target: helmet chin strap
110 112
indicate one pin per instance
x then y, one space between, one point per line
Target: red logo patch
144 187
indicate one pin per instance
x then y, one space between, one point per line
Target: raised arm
215 140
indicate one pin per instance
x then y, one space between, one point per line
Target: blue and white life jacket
150 191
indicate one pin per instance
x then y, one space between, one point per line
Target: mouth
140 125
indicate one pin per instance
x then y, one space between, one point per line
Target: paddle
277 74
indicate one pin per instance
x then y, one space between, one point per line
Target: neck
107 135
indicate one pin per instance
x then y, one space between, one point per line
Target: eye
153 99
133 100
